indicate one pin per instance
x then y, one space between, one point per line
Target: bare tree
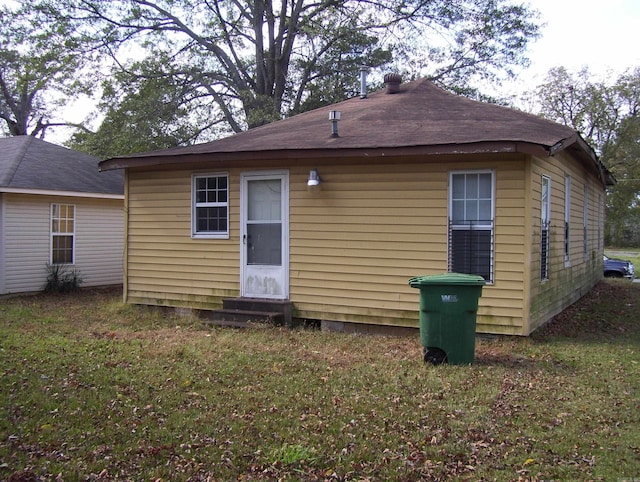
38 62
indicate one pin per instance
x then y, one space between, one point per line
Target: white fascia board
46 192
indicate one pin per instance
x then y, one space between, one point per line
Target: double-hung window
63 227
210 211
585 223
471 223
567 220
545 222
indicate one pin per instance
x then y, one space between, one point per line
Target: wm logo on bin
449 298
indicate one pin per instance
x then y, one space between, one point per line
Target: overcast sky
602 35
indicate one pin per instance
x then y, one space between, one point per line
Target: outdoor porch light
334 117
314 178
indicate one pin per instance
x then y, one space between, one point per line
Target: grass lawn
93 389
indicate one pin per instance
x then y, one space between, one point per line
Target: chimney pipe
364 70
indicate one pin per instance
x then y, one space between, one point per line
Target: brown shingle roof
420 117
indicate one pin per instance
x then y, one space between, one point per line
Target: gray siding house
57 208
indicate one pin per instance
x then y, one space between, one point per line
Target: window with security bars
471 250
210 215
545 223
62 233
567 220
585 223
471 223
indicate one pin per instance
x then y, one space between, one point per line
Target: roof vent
364 70
393 82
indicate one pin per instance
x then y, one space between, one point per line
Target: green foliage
229 65
149 106
94 389
40 64
607 115
62 279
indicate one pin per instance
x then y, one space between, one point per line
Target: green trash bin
448 307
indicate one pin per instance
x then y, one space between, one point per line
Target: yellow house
333 210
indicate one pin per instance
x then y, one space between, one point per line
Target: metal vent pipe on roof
334 117
364 70
393 82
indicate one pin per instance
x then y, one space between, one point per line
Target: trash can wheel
434 356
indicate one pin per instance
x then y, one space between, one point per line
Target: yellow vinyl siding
566 283
356 241
166 266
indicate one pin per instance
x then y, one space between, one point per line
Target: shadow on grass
609 311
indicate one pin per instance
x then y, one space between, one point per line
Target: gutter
48 192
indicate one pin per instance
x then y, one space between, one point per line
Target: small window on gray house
210 213
471 223
63 227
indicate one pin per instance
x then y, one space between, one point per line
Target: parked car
618 268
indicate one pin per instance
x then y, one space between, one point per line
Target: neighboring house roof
418 118
31 164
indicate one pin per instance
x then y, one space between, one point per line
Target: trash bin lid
447 279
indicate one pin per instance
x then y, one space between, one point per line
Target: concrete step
241 318
256 304
260 305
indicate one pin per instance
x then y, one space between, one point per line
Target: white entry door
265 235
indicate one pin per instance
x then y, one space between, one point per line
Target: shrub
62 279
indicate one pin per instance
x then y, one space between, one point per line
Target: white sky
602 35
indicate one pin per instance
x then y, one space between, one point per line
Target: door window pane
265 200
264 244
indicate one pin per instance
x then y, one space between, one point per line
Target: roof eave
581 148
52 192
186 160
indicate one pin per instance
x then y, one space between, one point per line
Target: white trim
491 225
73 234
545 210
46 192
585 221
493 190
283 175
600 240
209 234
567 221
545 220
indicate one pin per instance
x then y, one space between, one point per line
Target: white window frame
567 220
488 225
545 225
600 240
585 223
195 205
55 233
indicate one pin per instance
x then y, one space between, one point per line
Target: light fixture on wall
334 117
314 178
